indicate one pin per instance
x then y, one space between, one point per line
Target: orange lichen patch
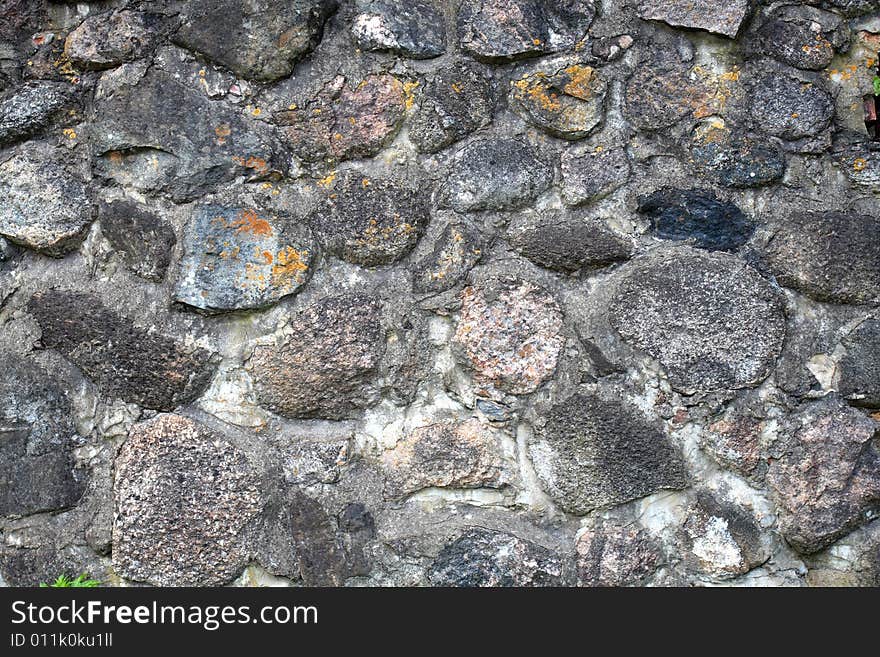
456 87
365 183
70 133
327 181
537 88
409 94
289 266
258 164
859 164
115 157
375 234
580 81
249 222
222 131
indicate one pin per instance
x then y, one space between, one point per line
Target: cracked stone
32 107
860 366
457 250
724 17
110 39
710 320
241 258
592 173
415 29
139 366
145 239
591 453
612 554
787 107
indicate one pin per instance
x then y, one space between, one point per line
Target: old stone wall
462 292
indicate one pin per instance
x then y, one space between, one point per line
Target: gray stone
709 319
458 248
32 107
307 463
260 39
851 7
803 37
184 497
591 173
496 174
139 366
485 558
110 39
827 256
860 366
242 258
327 364
788 107
370 221
43 206
413 29
145 240
591 453
716 16
33 566
738 161
613 554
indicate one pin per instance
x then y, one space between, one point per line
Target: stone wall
472 292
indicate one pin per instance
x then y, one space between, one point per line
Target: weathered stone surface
560 241
240 258
568 103
342 122
109 39
860 366
851 7
735 441
612 554
414 29
325 366
33 106
482 557
370 221
711 320
38 471
496 174
139 366
591 173
43 206
509 334
698 217
310 463
827 256
184 496
7 252
454 103
860 161
738 161
803 37
458 248
448 455
144 238
716 16
137 140
787 107
827 476
504 30
260 39
591 453
32 566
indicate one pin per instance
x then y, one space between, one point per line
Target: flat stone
342 122
568 103
184 496
803 37
860 366
710 320
562 242
485 558
33 106
110 39
145 240
260 40
370 221
509 334
38 470
592 173
715 16
139 366
326 366
496 174
827 476
613 554
827 256
242 258
698 217
787 107
591 453
43 206
737 161
455 102
414 29
457 250
448 455
506 30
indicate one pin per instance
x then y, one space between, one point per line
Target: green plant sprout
876 85
62 581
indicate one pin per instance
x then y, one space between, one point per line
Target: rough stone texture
790 108
172 462
591 173
108 40
610 554
495 175
508 333
457 249
325 365
43 206
481 557
145 240
150 369
723 17
505 30
32 107
860 367
738 161
242 258
711 321
803 37
826 256
827 476
591 453
414 29
260 39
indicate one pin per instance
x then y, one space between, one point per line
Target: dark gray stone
32 107
415 29
738 161
724 17
458 248
803 37
145 240
790 108
112 38
591 173
860 366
